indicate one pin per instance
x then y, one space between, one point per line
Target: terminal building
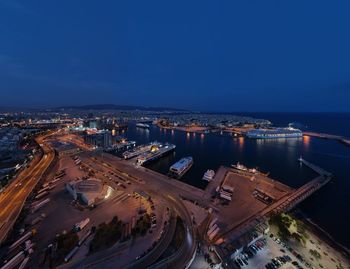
88 192
99 139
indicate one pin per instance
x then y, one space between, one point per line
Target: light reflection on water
306 142
277 156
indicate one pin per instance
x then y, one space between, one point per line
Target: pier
316 168
306 190
285 202
339 138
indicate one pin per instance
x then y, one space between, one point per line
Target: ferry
142 125
178 169
243 168
121 145
209 175
274 133
155 152
138 150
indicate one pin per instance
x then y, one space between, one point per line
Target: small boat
243 168
209 175
239 166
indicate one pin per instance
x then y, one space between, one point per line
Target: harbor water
276 156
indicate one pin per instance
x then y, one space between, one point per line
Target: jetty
339 138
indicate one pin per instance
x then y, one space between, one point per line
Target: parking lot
276 254
268 254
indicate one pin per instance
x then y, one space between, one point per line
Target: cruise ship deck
156 151
274 133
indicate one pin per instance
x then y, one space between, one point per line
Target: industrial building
89 191
99 139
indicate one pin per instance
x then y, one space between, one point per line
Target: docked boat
178 169
275 133
142 125
138 150
155 152
239 166
243 168
209 175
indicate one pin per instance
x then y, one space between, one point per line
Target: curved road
188 249
183 257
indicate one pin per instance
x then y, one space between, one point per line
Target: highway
13 198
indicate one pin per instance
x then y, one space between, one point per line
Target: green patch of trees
142 225
65 243
284 222
106 235
315 253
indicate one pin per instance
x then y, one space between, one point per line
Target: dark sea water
329 207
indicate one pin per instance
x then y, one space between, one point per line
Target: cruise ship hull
274 133
274 137
141 125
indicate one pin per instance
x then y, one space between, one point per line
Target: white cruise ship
142 125
274 133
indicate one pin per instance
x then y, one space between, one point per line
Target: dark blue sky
283 55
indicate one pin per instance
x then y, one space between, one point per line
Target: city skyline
77 185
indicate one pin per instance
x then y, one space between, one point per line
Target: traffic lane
21 193
158 250
9 218
17 182
13 207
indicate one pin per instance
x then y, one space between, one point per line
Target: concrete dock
339 138
249 211
235 218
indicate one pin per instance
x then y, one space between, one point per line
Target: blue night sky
282 55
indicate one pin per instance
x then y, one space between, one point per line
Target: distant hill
119 107
4 109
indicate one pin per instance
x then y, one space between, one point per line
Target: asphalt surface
150 184
13 198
